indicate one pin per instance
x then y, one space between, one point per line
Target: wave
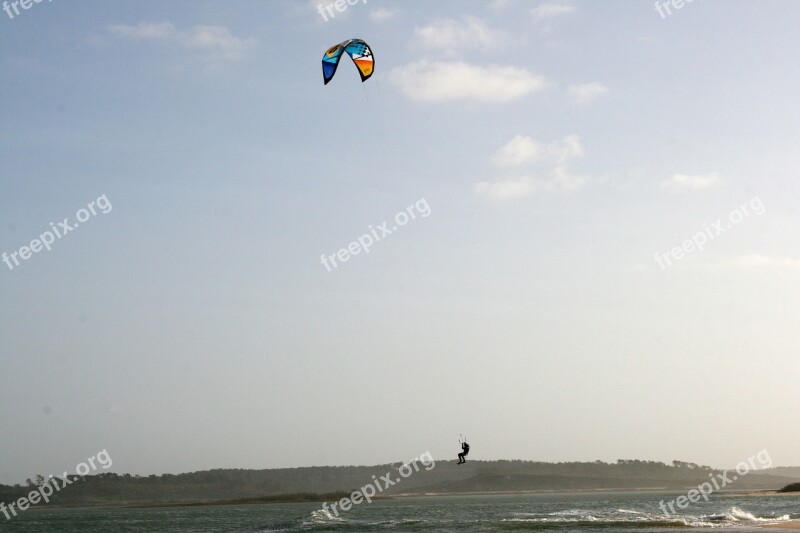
735 514
321 516
630 518
596 523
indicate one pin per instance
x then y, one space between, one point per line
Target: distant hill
475 476
784 471
525 482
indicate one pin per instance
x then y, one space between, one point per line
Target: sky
566 230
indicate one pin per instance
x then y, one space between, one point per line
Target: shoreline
761 493
663 490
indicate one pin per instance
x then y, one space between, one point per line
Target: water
604 512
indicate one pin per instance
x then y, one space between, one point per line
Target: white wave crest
321 516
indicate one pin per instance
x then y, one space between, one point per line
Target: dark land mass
285 498
329 483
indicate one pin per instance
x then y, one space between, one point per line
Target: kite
359 52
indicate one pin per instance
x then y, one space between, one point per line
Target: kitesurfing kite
359 52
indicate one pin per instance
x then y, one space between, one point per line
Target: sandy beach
794 524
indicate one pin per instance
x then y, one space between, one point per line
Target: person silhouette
464 451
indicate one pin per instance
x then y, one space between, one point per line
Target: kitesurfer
464 451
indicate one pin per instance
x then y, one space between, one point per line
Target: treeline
446 476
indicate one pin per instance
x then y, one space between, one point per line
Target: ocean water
604 512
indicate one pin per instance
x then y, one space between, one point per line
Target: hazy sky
559 147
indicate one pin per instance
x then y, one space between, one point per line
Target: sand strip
793 524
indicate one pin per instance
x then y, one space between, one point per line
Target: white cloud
521 151
215 42
441 82
586 93
544 11
451 37
560 181
518 151
162 31
508 189
381 14
499 5
763 261
210 43
686 182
